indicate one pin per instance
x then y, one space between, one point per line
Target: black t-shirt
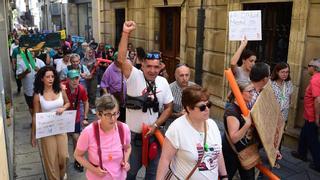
234 110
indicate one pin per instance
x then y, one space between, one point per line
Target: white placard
245 23
49 123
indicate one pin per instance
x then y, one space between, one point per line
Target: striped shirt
177 94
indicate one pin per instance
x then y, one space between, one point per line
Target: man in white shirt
146 94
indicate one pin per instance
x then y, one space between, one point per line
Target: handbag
249 156
170 173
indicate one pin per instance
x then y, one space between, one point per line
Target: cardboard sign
245 23
268 121
48 123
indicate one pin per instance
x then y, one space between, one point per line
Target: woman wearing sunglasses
106 142
192 146
239 131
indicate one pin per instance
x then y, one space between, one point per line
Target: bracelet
223 176
155 125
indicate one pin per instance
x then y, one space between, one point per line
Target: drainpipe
199 44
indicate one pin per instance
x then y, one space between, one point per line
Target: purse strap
97 136
199 159
230 142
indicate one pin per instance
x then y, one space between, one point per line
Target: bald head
182 75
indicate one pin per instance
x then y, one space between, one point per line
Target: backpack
97 137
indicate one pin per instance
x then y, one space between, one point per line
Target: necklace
112 144
205 145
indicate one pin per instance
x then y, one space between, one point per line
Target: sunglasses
110 115
110 51
153 56
309 65
203 107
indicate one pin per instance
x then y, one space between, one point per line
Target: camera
150 103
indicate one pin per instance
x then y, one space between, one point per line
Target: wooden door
170 38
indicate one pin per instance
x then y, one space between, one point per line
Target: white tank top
51 106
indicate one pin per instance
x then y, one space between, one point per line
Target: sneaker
295 154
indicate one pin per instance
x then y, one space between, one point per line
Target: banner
49 123
245 23
268 121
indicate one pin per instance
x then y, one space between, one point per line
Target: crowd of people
127 88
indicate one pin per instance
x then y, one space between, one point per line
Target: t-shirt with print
27 81
79 93
189 145
110 146
137 86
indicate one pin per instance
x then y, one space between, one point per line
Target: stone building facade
303 40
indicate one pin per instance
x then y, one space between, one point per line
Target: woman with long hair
241 69
49 97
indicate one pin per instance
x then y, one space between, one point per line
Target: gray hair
106 102
73 56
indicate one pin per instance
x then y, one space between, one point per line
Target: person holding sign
49 97
107 143
248 59
239 133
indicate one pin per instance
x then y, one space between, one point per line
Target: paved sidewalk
28 166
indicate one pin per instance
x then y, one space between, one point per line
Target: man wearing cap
77 95
308 139
114 83
147 93
27 67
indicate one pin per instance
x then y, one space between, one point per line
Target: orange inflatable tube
236 91
159 136
99 60
267 172
145 145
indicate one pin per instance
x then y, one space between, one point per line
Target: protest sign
268 121
63 34
49 123
245 23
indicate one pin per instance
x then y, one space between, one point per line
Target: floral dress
283 94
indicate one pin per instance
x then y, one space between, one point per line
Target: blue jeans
136 158
308 140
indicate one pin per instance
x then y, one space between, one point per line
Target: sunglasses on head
153 56
202 107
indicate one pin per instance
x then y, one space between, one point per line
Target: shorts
29 100
77 127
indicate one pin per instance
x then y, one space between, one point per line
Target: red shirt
312 91
82 97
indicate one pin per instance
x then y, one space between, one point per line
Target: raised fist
129 26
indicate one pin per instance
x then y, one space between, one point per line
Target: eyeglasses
110 115
202 107
251 91
153 56
110 51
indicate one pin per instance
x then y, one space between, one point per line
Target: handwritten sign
268 121
245 23
48 123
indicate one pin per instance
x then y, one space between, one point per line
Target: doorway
276 22
170 38
120 15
